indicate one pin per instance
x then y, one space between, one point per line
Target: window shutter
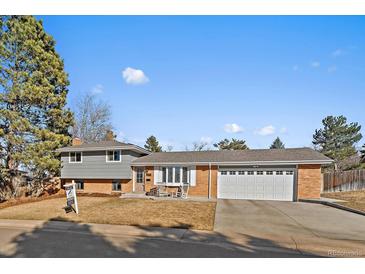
157 176
192 172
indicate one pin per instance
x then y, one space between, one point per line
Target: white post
75 198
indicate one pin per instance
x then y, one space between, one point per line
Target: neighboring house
102 167
257 174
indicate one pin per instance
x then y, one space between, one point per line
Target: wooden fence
344 181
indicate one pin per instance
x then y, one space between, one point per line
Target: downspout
210 182
133 180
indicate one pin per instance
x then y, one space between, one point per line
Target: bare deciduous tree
92 119
198 146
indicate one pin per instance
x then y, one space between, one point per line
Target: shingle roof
102 145
292 155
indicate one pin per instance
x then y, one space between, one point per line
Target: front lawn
354 199
113 210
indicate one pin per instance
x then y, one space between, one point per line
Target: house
257 174
102 167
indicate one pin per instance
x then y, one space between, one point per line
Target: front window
113 156
79 184
169 174
185 175
175 175
116 186
164 174
75 157
140 175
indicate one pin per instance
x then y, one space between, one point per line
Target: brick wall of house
202 182
98 186
102 185
127 185
309 181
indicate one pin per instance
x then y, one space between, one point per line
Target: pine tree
33 89
277 144
234 144
152 144
337 138
363 154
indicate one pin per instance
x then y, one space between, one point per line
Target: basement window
79 184
116 185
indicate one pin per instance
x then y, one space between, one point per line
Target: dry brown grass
354 199
112 210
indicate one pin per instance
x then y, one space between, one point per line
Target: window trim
173 182
120 155
74 162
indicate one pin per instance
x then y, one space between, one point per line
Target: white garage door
256 184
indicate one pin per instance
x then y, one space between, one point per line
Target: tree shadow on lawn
74 240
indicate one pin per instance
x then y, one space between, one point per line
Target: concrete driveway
311 229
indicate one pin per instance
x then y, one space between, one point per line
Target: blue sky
208 78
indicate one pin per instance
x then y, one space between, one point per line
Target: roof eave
123 147
308 162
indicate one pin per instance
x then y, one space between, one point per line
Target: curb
338 206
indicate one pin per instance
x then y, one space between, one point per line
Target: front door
139 186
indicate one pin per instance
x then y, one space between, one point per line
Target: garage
256 184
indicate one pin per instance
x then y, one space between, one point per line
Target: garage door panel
255 185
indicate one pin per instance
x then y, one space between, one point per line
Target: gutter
131 147
308 162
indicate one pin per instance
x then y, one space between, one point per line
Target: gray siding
94 166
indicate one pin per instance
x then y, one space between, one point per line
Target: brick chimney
76 141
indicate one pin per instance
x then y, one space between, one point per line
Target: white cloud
265 131
97 89
338 52
206 139
232 128
332 69
295 68
315 64
134 76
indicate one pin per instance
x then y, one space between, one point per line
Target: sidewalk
31 238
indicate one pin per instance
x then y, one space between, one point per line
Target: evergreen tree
363 154
33 89
277 144
152 144
337 138
233 144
